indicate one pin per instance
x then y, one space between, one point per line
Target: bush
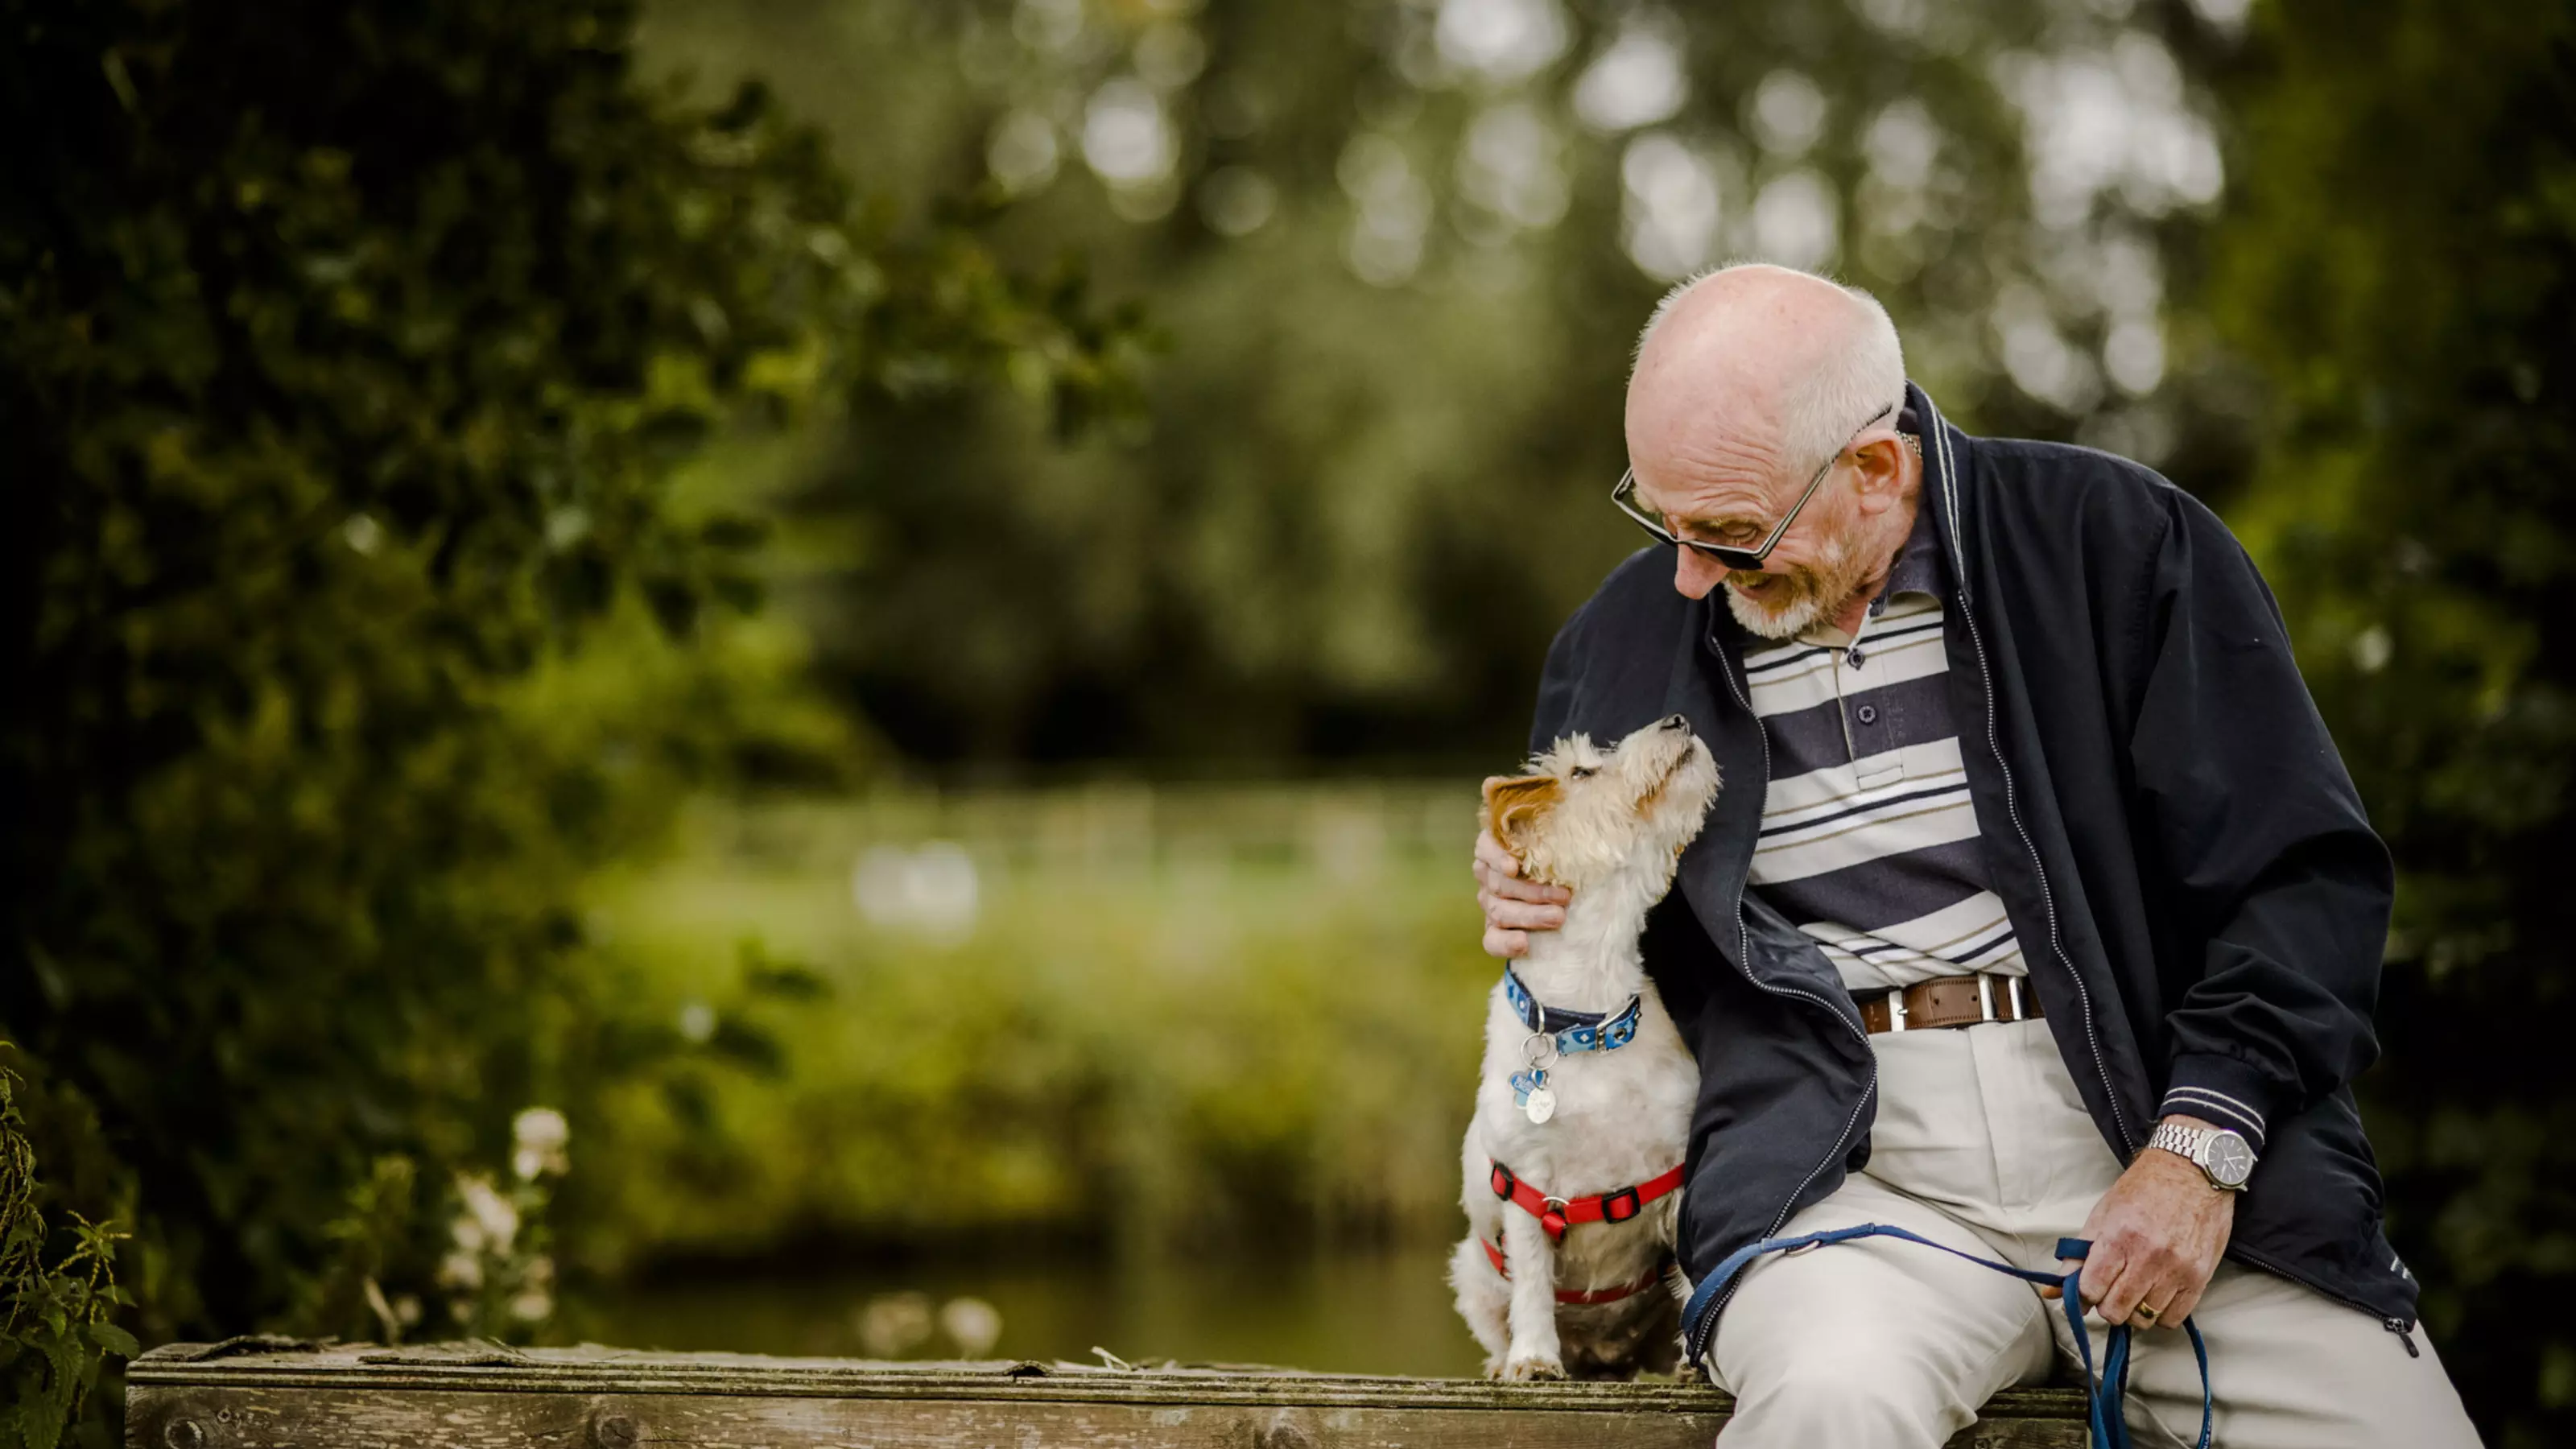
348 353
56 1292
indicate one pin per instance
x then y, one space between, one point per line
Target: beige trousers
1983 1145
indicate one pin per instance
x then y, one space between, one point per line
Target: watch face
2230 1160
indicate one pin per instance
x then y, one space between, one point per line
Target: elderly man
2036 904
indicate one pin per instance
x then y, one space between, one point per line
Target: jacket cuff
2222 1090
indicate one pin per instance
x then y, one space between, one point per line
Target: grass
1145 1019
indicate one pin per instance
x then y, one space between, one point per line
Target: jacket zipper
2012 798
1707 1326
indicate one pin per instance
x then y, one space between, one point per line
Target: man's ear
1513 807
1882 471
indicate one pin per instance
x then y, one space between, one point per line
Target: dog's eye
1583 772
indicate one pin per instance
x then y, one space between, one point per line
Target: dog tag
1541 1105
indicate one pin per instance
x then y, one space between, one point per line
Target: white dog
1573 1161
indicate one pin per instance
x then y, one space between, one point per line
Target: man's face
1734 494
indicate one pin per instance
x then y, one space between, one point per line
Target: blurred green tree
2401 261
348 353
1400 249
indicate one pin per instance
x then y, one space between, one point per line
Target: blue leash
2102 1395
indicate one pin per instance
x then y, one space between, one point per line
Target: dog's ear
1514 806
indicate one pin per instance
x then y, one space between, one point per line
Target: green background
909 645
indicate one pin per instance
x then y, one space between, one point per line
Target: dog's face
1585 814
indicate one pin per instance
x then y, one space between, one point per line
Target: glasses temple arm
1763 550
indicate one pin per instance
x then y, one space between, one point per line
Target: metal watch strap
2188 1143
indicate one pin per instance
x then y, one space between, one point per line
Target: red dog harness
1556 1214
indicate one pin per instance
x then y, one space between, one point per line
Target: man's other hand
2157 1236
1513 907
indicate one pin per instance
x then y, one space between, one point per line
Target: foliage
1400 249
372 588
347 352
2402 262
55 1333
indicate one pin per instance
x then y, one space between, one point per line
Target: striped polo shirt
1869 840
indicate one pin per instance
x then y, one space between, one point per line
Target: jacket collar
1944 448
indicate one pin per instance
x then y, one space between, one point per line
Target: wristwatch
2221 1155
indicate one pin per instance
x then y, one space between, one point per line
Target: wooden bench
275 1394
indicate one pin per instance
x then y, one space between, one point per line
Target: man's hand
2157 1236
1513 906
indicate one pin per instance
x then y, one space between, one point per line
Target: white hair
1862 381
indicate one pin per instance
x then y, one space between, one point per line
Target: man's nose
1695 573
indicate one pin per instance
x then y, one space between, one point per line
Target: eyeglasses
1744 559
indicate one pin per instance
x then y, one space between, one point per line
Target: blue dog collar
1573 1031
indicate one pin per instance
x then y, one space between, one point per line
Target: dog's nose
1676 722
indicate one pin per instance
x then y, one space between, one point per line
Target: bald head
1760 358
1751 382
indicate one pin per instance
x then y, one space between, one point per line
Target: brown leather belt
1946 1001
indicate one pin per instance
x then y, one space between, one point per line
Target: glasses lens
1625 495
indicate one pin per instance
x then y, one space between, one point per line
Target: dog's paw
1690 1375
1533 1370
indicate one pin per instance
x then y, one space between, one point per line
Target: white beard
1788 623
1835 581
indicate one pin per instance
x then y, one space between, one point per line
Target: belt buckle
1985 997
1896 1008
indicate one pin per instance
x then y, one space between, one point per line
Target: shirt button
1868 713
1853 656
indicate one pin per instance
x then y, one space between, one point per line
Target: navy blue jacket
2199 895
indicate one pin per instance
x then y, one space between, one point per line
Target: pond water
1382 1311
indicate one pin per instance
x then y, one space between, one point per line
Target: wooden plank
481 1398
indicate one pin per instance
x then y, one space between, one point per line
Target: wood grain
480 1397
